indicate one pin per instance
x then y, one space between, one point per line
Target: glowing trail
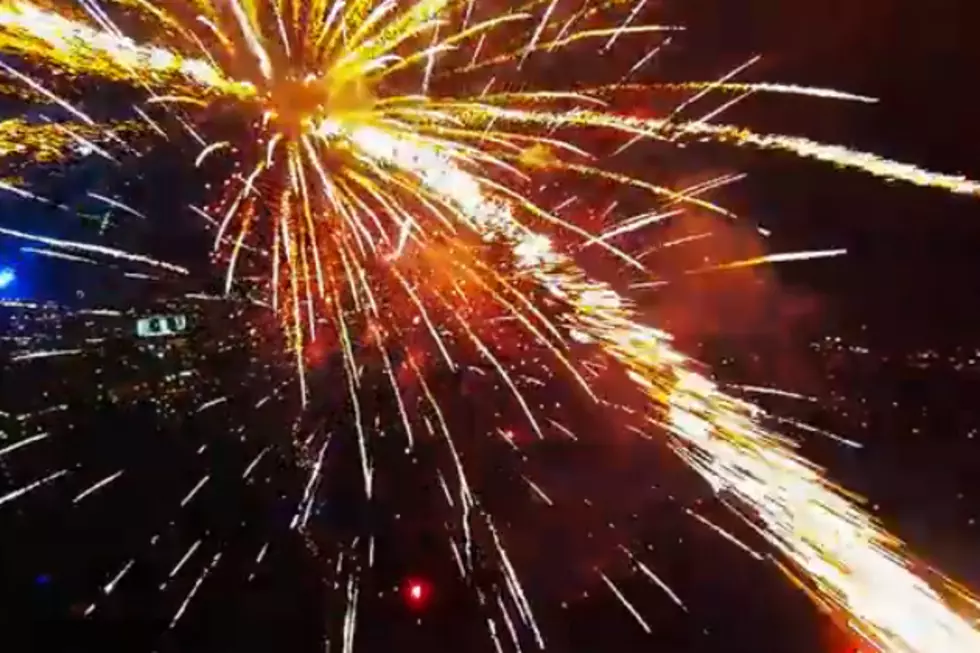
19 492
850 562
95 487
94 249
656 579
838 155
629 606
22 443
32 32
197 585
48 353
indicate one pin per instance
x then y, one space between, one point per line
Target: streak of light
95 487
19 492
47 353
726 535
95 249
23 443
197 585
626 603
194 490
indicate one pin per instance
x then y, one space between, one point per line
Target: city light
7 277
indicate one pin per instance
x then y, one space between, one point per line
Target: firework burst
395 180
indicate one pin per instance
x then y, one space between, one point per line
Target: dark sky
913 259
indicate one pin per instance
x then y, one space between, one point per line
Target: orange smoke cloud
748 309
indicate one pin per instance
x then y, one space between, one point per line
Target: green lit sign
158 326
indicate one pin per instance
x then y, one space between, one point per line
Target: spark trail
854 566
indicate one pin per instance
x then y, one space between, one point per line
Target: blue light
7 277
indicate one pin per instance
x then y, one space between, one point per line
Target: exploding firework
397 179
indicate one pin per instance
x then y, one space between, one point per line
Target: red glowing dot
416 593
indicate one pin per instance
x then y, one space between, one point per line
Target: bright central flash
342 179
299 106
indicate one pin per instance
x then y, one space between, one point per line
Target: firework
384 166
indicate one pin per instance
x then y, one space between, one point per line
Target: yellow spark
849 561
74 47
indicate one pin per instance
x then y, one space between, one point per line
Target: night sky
883 341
